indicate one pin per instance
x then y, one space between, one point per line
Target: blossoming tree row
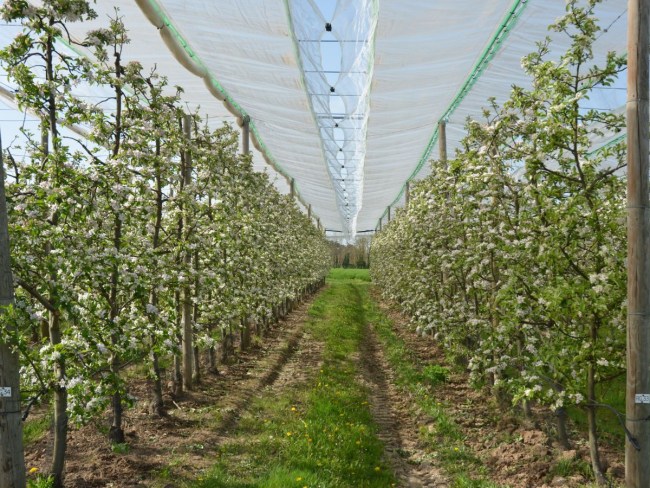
512 254
149 240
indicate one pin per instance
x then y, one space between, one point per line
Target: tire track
396 428
275 362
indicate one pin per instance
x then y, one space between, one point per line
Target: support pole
245 135
309 211
389 213
637 461
442 142
408 193
12 461
186 297
292 188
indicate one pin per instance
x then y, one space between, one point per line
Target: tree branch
34 293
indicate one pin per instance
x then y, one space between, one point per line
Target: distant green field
349 274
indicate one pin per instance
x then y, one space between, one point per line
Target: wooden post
245 135
388 214
309 211
442 156
637 412
380 219
407 192
12 461
292 188
186 319
442 141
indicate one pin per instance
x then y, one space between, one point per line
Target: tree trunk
116 432
526 409
592 426
60 407
196 375
562 431
212 360
157 406
187 339
224 345
60 392
245 335
177 376
188 332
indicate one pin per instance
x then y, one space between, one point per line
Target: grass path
314 427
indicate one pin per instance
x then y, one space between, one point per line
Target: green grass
318 434
36 428
611 393
120 448
40 481
349 275
569 467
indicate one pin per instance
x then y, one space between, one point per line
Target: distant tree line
356 255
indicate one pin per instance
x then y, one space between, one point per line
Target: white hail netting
336 57
405 65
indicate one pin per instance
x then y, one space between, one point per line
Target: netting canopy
345 98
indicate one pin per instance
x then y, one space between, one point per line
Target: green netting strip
608 144
492 48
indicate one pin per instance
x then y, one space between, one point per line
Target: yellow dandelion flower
288 434
456 449
293 409
33 470
377 468
299 478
